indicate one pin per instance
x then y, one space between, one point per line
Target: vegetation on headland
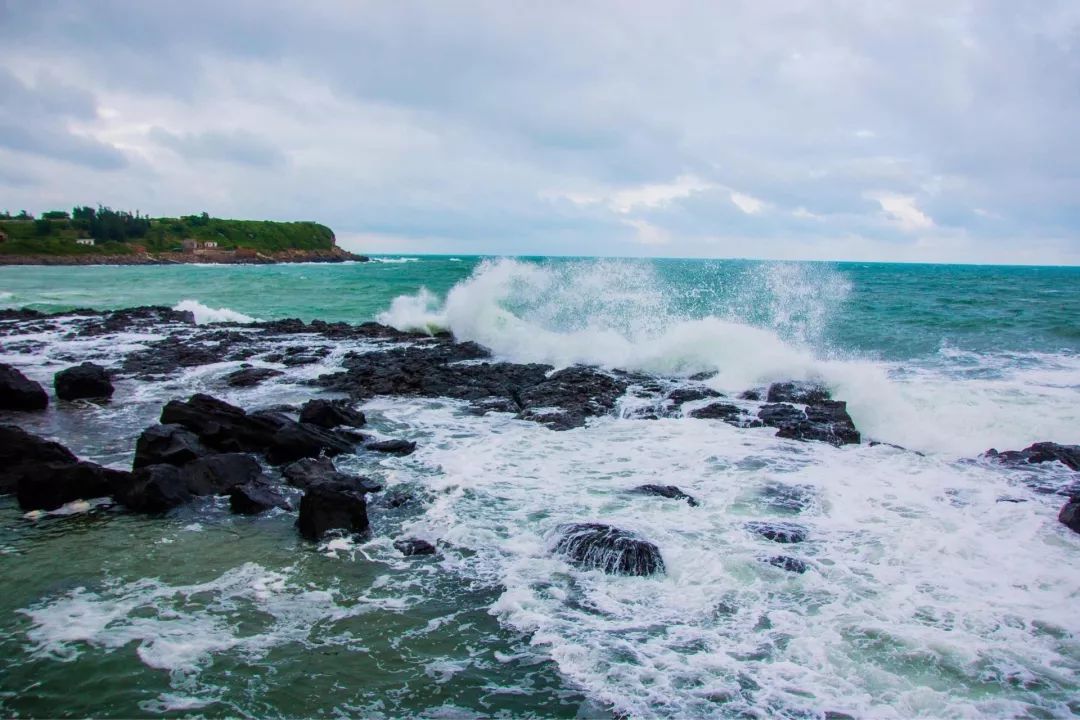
117 233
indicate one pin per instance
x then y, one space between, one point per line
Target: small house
190 244
84 241
209 244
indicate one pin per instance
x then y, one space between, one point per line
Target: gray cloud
237 146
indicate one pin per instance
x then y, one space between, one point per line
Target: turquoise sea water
928 595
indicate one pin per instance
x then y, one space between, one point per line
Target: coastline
214 257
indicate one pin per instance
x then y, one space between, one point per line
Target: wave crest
205 315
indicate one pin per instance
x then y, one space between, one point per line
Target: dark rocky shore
214 257
204 446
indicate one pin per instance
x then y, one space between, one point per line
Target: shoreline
198 257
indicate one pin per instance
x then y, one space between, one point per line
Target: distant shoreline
198 257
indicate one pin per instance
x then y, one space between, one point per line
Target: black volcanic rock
21 452
786 562
18 392
1070 514
51 485
250 377
85 381
827 421
778 531
219 474
169 444
309 472
330 414
578 393
797 392
690 394
255 497
152 489
602 547
1068 455
395 446
326 507
668 491
414 546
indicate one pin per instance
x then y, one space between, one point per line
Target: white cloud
747 203
901 211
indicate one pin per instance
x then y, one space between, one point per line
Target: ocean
939 584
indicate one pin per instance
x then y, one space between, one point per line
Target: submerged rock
1067 455
1070 514
219 474
396 446
250 377
327 507
330 414
603 547
668 491
778 531
86 381
786 562
791 498
255 497
414 546
169 444
18 392
152 489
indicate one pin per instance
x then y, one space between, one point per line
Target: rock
21 452
827 421
300 440
309 471
786 562
327 507
250 377
576 393
414 546
602 547
169 444
690 394
750 395
778 532
331 413
86 381
255 497
219 474
153 489
668 491
730 414
51 485
797 392
392 447
1068 455
1070 514
790 498
18 392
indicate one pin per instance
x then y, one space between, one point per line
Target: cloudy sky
812 129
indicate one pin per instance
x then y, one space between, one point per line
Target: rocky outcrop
152 489
219 474
309 472
87 381
395 446
594 546
802 393
778 531
326 507
1041 452
667 491
251 376
827 421
1070 514
18 392
168 444
786 562
682 395
330 414
731 414
256 497
414 546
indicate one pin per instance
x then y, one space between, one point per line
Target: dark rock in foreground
330 414
827 421
18 392
83 382
786 562
1068 455
668 491
690 394
327 507
169 444
309 472
152 489
250 377
255 497
602 547
392 447
21 452
414 546
727 412
778 532
219 474
802 393
1070 514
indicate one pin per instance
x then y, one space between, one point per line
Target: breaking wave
205 315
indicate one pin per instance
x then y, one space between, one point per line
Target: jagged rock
827 421
602 547
310 471
152 489
668 491
86 381
750 395
250 377
414 546
791 498
730 414
300 440
330 414
18 392
169 444
327 507
1070 514
50 485
797 392
1068 455
778 532
255 497
396 446
576 393
786 562
690 394
21 452
219 474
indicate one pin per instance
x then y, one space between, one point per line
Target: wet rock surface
250 377
1041 452
256 497
18 392
153 489
827 421
780 532
414 546
595 546
667 491
168 444
788 563
309 472
330 414
219 474
391 447
326 507
87 381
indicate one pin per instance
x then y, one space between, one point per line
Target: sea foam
205 315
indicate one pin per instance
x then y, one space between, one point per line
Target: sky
792 129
